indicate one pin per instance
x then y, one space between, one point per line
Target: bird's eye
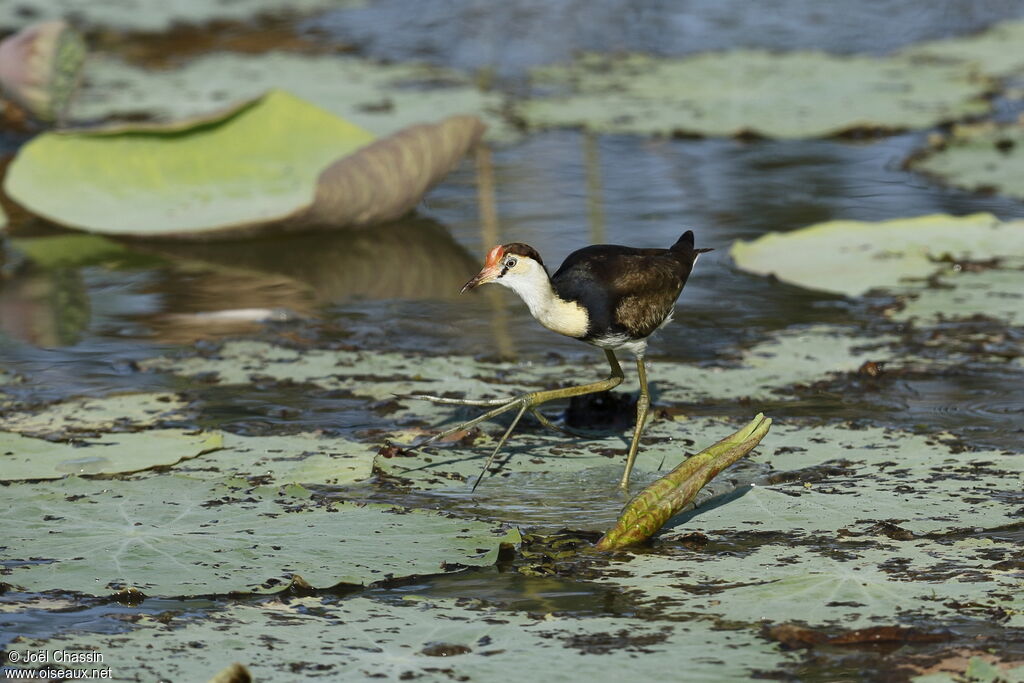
510 263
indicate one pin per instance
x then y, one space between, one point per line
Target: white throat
558 315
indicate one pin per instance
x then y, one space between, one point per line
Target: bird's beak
490 272
487 274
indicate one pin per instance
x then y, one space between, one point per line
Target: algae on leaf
754 92
172 535
277 163
854 257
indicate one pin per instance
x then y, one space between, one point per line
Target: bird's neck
550 310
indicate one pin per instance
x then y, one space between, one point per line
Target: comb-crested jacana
611 296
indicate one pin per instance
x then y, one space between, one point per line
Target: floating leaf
651 508
40 68
981 157
124 411
853 257
157 15
292 459
754 91
854 585
993 51
400 641
382 98
172 535
993 293
22 457
276 162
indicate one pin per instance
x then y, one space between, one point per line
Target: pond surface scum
235 411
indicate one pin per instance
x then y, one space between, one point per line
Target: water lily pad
126 411
173 535
797 356
395 641
23 457
994 293
993 51
154 15
382 98
852 586
753 91
981 157
278 160
854 257
297 458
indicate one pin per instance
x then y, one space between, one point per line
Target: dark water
81 329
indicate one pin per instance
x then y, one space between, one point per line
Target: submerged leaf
645 514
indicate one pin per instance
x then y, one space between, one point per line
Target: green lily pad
994 293
277 160
293 459
854 257
173 535
981 157
853 587
382 98
754 91
798 356
76 250
126 411
993 51
155 15
413 641
23 457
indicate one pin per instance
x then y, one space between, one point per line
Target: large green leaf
277 163
382 98
259 164
172 535
981 157
22 457
788 95
853 257
964 294
363 640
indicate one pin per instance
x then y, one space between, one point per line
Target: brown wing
647 290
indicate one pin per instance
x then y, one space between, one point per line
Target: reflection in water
595 190
412 258
46 309
490 235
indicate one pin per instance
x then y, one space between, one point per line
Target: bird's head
509 265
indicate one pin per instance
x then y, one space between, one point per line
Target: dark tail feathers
684 247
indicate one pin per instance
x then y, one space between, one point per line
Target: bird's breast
565 317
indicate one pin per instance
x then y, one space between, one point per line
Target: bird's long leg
530 401
542 418
643 404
